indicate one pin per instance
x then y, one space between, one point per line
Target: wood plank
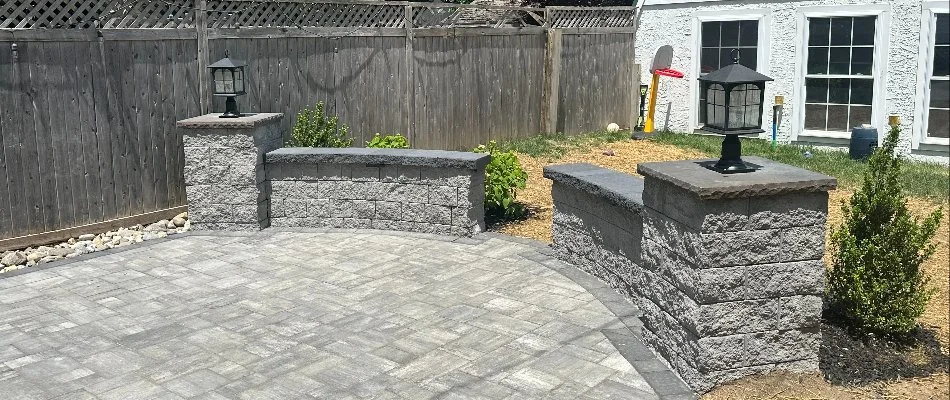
119 81
104 125
55 131
552 82
139 155
204 82
33 204
87 131
70 133
9 132
166 109
151 111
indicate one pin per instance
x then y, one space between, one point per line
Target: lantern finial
735 56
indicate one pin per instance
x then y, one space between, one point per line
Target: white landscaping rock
13 258
87 236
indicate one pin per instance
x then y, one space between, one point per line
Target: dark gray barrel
863 142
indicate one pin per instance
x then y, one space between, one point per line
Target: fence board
89 143
104 127
9 125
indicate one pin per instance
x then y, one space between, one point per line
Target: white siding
677 23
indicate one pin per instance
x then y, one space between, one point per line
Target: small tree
315 129
876 284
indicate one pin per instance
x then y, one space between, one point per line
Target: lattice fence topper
246 14
172 14
86 14
425 16
576 17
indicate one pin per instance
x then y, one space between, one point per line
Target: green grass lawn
920 179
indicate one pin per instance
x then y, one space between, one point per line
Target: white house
838 64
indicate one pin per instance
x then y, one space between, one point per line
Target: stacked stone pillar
224 170
737 266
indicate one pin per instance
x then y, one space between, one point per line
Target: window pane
862 60
838 91
709 60
816 90
859 115
862 91
817 60
940 94
748 57
749 33
839 62
818 30
943 29
941 61
838 118
710 34
725 57
841 31
864 31
938 123
815 116
730 33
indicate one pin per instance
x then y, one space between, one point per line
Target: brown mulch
850 369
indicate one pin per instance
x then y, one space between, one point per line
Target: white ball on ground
613 127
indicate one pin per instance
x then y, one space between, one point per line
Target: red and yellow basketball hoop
661 67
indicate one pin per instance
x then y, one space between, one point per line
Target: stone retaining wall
426 191
728 272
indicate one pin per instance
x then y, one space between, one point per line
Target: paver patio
325 314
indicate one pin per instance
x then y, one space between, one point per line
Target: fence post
201 26
552 79
410 78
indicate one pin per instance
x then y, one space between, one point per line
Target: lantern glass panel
239 80
744 107
228 81
716 106
218 81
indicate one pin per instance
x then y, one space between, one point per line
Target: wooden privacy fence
90 89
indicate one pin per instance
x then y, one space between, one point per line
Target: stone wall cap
619 188
213 121
355 155
773 179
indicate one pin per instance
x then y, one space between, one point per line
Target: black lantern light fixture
228 78
735 96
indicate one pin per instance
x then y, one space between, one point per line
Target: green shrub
396 141
876 284
503 177
315 129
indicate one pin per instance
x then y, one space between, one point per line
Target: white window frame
928 24
879 71
763 16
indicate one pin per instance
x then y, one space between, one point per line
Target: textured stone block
400 173
791 210
319 208
456 177
406 193
364 173
388 210
762 247
415 212
356 223
391 225
443 195
244 212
